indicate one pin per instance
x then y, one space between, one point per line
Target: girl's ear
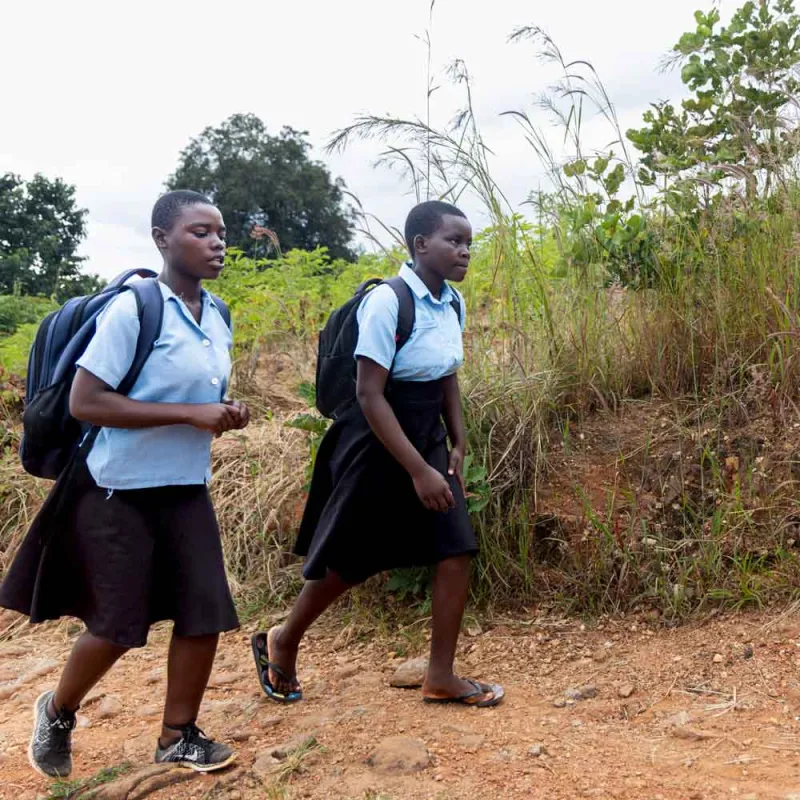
160 238
420 243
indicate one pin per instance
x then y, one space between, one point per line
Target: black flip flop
497 691
260 645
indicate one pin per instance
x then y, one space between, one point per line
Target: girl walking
386 492
136 539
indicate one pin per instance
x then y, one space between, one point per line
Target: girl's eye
201 234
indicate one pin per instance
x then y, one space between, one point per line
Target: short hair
169 206
425 218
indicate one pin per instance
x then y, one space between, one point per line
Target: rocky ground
623 708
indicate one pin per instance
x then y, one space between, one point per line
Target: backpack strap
150 305
124 277
406 312
456 304
222 307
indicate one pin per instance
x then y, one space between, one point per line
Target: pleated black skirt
120 561
363 515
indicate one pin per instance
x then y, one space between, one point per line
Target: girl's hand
214 417
456 466
433 490
242 411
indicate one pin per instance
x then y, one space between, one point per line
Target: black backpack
336 366
51 435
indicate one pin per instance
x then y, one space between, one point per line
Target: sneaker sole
31 759
203 767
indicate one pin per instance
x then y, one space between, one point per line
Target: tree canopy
266 183
41 228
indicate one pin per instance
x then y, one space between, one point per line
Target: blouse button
206 343
214 381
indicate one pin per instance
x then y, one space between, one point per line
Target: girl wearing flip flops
386 492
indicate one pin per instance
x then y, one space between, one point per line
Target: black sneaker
50 750
195 750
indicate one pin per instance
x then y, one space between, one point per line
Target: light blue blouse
190 363
434 349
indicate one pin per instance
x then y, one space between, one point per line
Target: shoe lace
60 730
191 734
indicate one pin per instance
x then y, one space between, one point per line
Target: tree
261 182
40 231
736 124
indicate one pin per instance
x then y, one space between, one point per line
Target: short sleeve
377 326
111 351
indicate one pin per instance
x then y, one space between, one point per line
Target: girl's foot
276 663
194 750
50 750
453 689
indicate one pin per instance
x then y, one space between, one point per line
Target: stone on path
626 690
399 755
410 674
110 706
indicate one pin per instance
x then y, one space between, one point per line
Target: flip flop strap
279 672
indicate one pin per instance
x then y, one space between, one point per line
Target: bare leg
188 670
90 659
450 590
284 641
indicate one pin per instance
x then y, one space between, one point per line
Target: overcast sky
105 95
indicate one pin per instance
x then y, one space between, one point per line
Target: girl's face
195 245
446 251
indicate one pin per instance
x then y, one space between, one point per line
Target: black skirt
122 560
363 514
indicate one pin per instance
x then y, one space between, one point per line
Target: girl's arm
454 421
92 400
431 487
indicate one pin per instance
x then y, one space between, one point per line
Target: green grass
73 790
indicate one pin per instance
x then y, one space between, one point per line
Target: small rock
748 651
264 765
399 755
83 722
8 690
147 711
410 674
559 702
243 735
718 658
93 697
155 676
110 706
234 794
600 655
281 751
269 722
537 750
588 692
226 679
691 734
626 690
347 671
473 742
573 694
474 629
678 720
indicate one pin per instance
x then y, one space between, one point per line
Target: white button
214 381
206 343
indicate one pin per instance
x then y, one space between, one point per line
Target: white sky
105 94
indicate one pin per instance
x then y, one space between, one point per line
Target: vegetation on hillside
664 268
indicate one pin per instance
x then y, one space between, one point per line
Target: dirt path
711 714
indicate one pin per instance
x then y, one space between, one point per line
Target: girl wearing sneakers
136 539
386 492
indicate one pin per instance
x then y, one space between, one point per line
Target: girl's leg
450 590
284 641
89 660
188 670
